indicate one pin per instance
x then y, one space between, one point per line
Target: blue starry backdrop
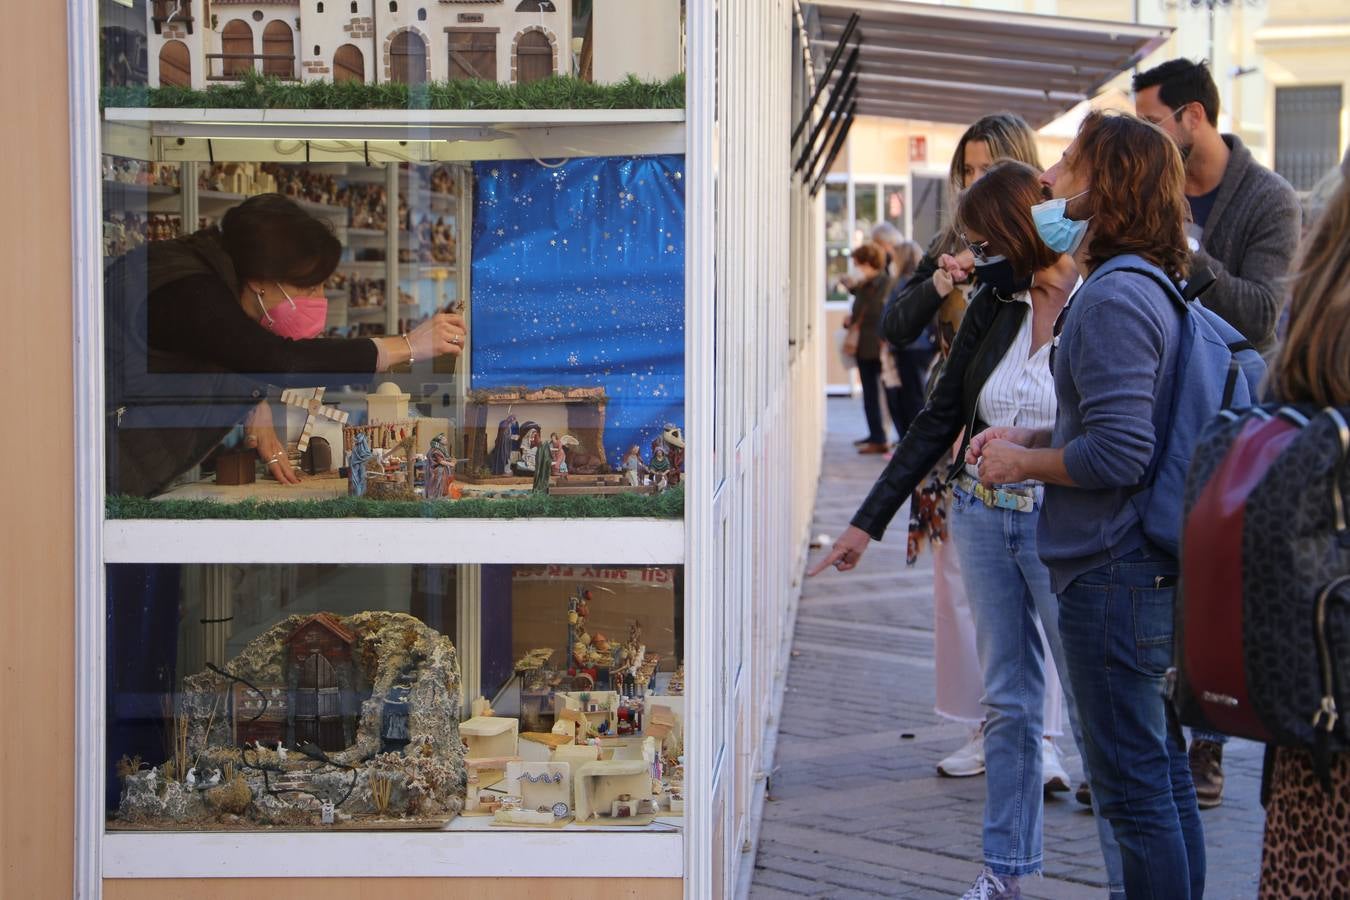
578 281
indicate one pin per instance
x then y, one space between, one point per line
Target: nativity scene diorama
329 722
570 383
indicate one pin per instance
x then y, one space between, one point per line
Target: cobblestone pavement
856 808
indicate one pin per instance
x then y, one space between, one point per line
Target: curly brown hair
1136 194
1313 363
998 207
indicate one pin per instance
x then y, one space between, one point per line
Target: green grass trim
256 91
669 505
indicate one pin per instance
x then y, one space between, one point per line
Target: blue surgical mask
1060 233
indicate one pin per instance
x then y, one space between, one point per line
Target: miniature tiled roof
329 621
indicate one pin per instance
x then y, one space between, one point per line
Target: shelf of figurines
401 484
377 136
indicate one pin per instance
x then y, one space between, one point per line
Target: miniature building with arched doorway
194 43
319 684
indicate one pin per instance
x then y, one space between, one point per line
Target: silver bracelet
411 359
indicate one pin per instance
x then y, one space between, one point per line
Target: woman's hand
260 435
845 553
952 270
1022 437
442 334
1002 462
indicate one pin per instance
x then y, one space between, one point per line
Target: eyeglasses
1173 115
978 249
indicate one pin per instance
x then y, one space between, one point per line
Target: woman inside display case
199 328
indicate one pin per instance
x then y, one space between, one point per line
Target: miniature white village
194 43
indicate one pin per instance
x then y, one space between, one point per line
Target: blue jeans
1116 623
1009 591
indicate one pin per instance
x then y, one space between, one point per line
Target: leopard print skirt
1306 852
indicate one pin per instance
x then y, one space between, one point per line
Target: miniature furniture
490 736
542 786
538 746
601 787
236 467
599 708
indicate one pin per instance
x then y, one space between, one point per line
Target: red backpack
1263 618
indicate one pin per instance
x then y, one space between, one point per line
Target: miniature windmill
311 400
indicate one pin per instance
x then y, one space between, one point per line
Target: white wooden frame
742 542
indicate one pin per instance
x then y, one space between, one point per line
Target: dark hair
998 206
869 253
1136 195
1179 82
270 238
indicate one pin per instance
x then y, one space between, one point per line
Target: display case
354 697
568 382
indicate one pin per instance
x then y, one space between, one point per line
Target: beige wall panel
36 462
403 888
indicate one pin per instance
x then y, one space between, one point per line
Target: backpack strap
1184 295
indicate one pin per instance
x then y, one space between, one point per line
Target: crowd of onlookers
1045 365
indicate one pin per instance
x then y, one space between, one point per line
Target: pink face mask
299 318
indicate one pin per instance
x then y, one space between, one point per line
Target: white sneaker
1052 769
967 760
991 887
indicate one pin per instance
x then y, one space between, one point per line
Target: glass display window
394 697
393 338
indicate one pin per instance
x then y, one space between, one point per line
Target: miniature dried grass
129 765
381 786
177 765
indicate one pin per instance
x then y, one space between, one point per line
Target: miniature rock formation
358 711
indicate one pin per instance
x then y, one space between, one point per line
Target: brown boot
1207 772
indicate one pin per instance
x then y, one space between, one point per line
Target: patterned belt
1016 499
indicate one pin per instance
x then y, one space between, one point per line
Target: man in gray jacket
1245 228
1245 224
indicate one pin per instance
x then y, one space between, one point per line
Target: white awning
955 64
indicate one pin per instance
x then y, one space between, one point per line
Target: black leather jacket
911 308
987 331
